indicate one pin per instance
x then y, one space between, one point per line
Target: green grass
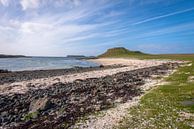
30 116
161 107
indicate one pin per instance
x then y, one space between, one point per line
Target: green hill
120 52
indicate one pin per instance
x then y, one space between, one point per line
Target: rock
191 79
40 104
4 71
188 102
78 80
101 66
15 110
57 79
97 107
81 109
5 113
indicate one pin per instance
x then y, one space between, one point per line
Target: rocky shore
62 103
10 77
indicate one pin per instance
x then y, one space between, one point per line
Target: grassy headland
121 52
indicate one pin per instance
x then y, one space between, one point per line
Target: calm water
34 63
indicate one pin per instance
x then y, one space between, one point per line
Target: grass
161 108
30 116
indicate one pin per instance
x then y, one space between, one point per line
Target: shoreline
21 82
16 76
76 93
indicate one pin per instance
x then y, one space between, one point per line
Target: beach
97 64
60 98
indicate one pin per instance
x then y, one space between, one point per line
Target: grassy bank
169 106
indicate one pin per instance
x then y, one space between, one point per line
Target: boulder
40 104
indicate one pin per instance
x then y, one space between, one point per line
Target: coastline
79 92
16 76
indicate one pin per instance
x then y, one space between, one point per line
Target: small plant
65 125
30 116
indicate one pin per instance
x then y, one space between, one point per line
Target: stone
81 109
40 104
188 102
97 107
191 79
5 113
101 66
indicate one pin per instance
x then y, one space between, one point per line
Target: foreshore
58 98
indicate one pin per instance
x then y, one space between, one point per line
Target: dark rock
101 66
4 71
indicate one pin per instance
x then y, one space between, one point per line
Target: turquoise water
37 63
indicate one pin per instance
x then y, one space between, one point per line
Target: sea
43 63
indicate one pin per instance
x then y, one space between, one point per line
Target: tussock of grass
30 116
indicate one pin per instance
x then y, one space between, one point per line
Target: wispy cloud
59 27
5 2
28 4
163 16
50 30
157 47
167 30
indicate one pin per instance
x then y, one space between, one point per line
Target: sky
89 27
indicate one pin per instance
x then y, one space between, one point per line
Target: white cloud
29 4
43 37
51 33
5 2
30 27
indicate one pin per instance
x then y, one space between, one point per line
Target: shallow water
37 63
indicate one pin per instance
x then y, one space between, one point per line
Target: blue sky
89 27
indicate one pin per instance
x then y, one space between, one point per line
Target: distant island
80 57
11 56
76 56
